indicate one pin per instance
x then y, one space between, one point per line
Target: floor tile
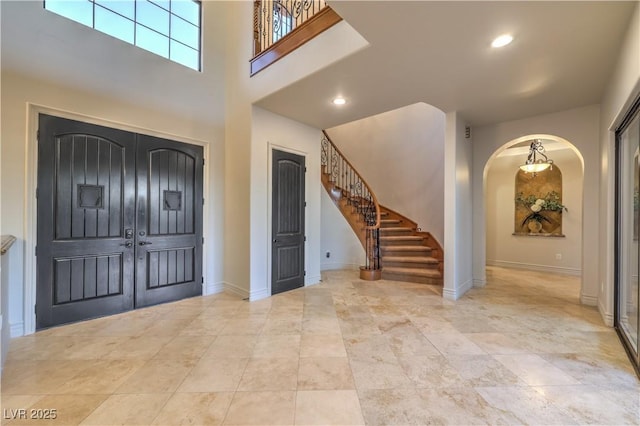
319 407
324 374
262 408
127 410
214 375
521 350
157 376
262 374
195 409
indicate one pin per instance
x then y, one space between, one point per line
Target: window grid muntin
135 22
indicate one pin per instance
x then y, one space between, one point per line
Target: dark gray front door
287 266
169 221
99 250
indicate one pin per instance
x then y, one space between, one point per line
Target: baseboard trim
606 316
232 288
312 280
535 267
16 329
260 294
339 265
456 293
213 288
588 300
477 282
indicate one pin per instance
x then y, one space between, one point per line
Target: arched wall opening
506 244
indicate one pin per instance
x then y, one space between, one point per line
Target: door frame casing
31 183
270 148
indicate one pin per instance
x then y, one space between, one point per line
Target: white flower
536 208
540 202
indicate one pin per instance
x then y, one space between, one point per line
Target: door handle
144 243
127 244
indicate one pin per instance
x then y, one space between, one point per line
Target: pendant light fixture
534 163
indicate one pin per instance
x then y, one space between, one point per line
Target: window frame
169 37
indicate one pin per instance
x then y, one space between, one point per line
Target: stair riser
389 251
389 224
421 265
388 243
395 232
411 278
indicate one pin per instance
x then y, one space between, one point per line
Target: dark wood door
169 221
86 211
119 221
287 266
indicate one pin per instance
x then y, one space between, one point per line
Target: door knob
275 241
127 244
144 243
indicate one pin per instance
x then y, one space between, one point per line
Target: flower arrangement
550 202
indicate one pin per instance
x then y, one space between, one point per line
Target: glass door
627 291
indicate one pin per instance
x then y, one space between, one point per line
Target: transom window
169 28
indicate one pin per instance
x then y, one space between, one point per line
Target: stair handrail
324 162
345 180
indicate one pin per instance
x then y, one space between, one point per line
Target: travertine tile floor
520 351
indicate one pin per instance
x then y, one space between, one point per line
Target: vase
534 226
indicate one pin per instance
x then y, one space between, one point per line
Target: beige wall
623 89
535 253
246 159
458 209
271 131
580 128
74 71
338 239
400 153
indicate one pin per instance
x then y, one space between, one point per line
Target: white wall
338 239
246 161
623 88
579 127
535 253
458 209
400 153
89 73
271 131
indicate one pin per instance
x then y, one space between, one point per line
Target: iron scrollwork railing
357 194
274 19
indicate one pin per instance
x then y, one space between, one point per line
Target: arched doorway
508 243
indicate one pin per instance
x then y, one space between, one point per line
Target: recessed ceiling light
339 101
502 40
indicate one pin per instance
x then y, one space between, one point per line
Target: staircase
408 254
396 249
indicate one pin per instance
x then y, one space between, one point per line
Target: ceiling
439 53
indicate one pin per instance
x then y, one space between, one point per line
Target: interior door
288 204
169 221
86 195
119 221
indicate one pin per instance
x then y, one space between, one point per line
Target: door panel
169 221
85 179
119 221
287 266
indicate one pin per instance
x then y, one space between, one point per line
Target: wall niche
538 203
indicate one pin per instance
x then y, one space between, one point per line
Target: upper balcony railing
281 26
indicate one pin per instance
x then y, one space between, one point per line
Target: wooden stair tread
389 221
410 259
431 273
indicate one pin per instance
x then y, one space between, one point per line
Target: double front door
119 221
